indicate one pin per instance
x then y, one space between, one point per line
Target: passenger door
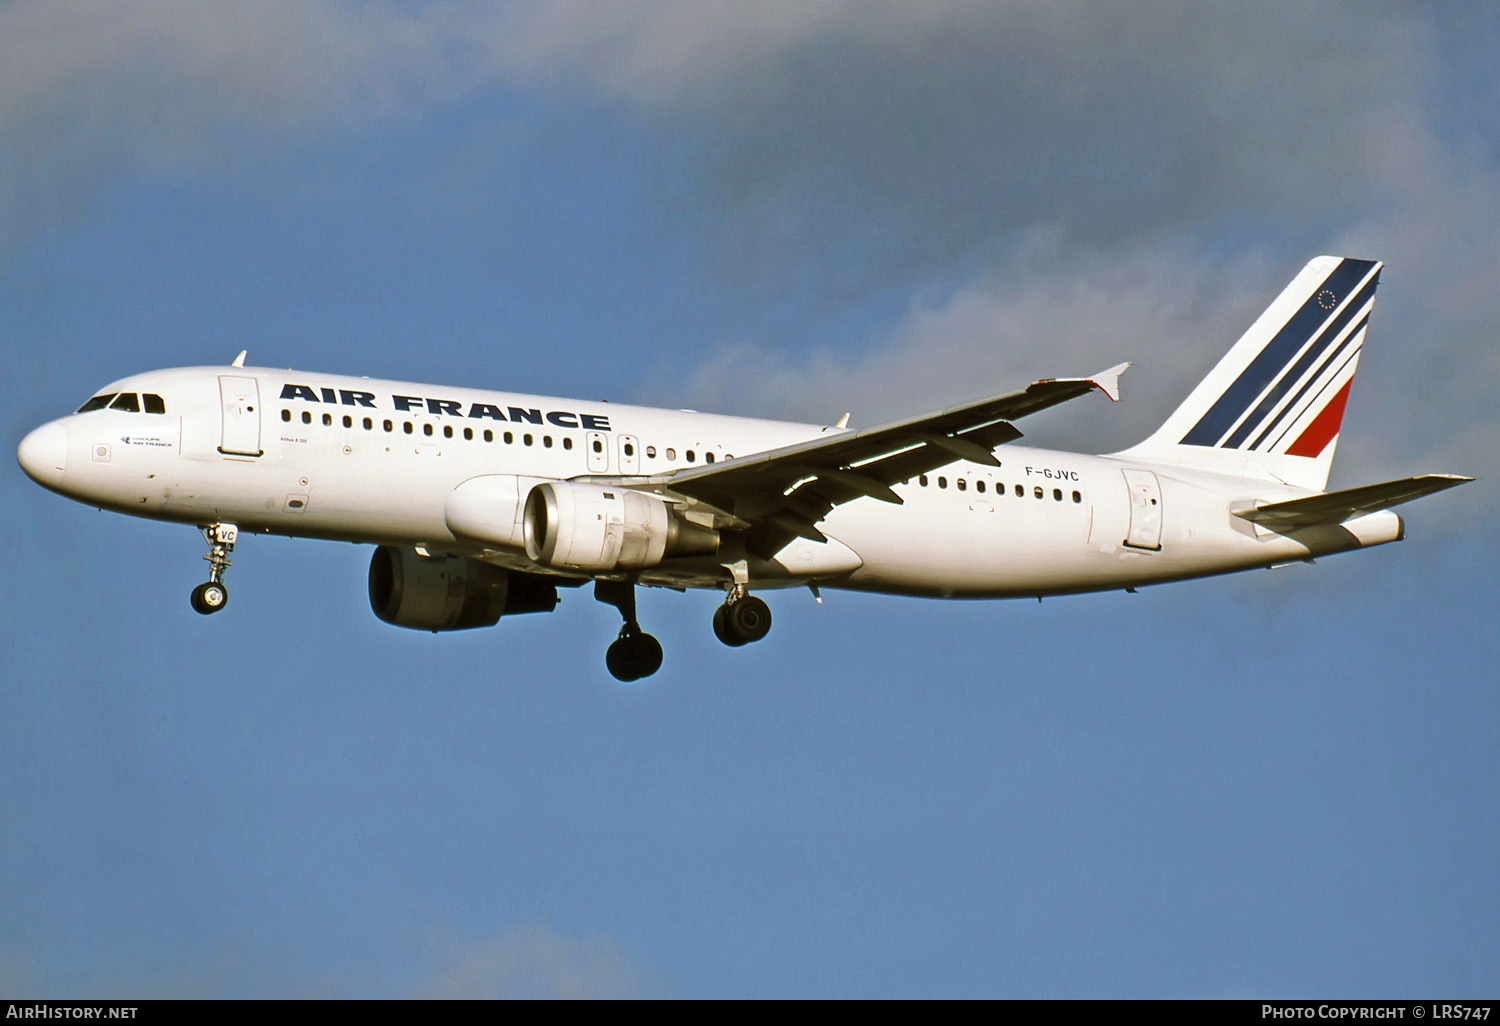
1145 510
240 402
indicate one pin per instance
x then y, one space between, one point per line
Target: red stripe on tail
1324 427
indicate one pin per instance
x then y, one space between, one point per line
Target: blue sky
1282 783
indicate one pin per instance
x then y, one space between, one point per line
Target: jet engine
450 593
599 528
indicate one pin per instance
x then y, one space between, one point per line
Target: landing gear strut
211 596
634 654
742 618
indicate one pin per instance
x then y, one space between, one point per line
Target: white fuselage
324 456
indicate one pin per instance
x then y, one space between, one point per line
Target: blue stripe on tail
1314 353
1273 359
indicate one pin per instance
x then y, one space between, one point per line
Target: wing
1337 507
783 493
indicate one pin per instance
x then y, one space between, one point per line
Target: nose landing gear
211 596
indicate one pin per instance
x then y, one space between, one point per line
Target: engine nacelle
601 528
488 509
450 593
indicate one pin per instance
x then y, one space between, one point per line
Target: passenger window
922 480
369 423
388 427
546 441
1039 492
286 415
447 430
979 486
348 421
126 401
651 452
489 436
99 402
598 445
708 457
427 430
1057 494
963 485
406 426
154 403
468 434
671 454
328 420
629 449
510 439
1077 497
306 417
1020 492
567 442
942 482
690 456
526 438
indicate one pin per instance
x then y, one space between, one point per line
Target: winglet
843 422
1108 381
239 361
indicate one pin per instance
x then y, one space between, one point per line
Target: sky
1277 784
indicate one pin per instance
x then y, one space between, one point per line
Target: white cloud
534 962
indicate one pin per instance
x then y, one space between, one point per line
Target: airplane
482 504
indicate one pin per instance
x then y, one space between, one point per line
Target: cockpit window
99 402
127 401
153 403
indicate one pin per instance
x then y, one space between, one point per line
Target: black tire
650 654
210 597
721 628
633 656
749 619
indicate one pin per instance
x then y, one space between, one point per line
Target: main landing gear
211 596
742 618
634 654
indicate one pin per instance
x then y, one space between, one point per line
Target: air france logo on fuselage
447 407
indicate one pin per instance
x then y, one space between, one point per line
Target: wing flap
1337 507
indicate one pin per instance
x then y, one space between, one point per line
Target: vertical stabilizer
1273 405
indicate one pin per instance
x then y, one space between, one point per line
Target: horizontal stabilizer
1337 507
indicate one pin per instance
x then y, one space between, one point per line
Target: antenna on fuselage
239 361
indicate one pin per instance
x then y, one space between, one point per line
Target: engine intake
451 593
600 528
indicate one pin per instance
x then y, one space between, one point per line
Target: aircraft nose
43 454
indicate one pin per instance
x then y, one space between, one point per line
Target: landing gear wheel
633 656
210 597
721 629
742 621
